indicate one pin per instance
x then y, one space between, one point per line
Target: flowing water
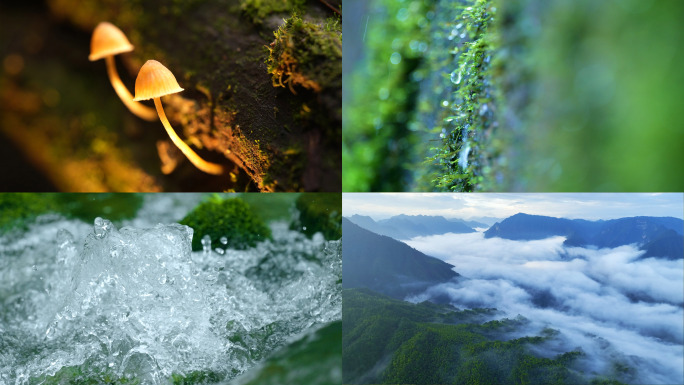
136 303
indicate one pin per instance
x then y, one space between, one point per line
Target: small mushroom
154 81
107 41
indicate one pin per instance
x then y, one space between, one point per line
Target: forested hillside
393 342
388 266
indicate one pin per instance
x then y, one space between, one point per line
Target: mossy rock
320 212
17 210
232 218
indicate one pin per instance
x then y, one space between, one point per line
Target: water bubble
445 103
395 58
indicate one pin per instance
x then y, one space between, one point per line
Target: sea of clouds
613 305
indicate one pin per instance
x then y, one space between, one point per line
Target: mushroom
107 41
154 81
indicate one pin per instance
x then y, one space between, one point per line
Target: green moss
271 207
320 212
232 218
257 10
19 209
86 207
196 377
306 54
83 375
458 161
378 143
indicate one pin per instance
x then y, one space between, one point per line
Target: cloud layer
605 300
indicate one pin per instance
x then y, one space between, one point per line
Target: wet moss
460 160
306 54
231 218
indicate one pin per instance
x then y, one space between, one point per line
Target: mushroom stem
139 109
209 168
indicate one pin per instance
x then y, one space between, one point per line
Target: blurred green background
580 95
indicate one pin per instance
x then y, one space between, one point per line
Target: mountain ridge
661 237
388 266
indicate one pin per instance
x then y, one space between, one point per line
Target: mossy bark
282 138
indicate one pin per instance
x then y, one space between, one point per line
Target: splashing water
138 303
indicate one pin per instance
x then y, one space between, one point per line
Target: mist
610 303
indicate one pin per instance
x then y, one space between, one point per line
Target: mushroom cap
108 40
154 81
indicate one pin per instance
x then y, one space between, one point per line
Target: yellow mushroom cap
108 40
154 81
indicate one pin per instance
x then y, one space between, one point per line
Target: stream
135 302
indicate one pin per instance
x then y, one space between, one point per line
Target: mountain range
387 266
409 226
661 237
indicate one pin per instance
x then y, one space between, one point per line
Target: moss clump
258 10
306 54
233 219
17 210
320 212
468 109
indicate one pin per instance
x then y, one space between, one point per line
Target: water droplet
102 227
303 228
224 240
206 244
463 156
395 58
456 77
219 250
403 14
445 103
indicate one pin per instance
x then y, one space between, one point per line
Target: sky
591 206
